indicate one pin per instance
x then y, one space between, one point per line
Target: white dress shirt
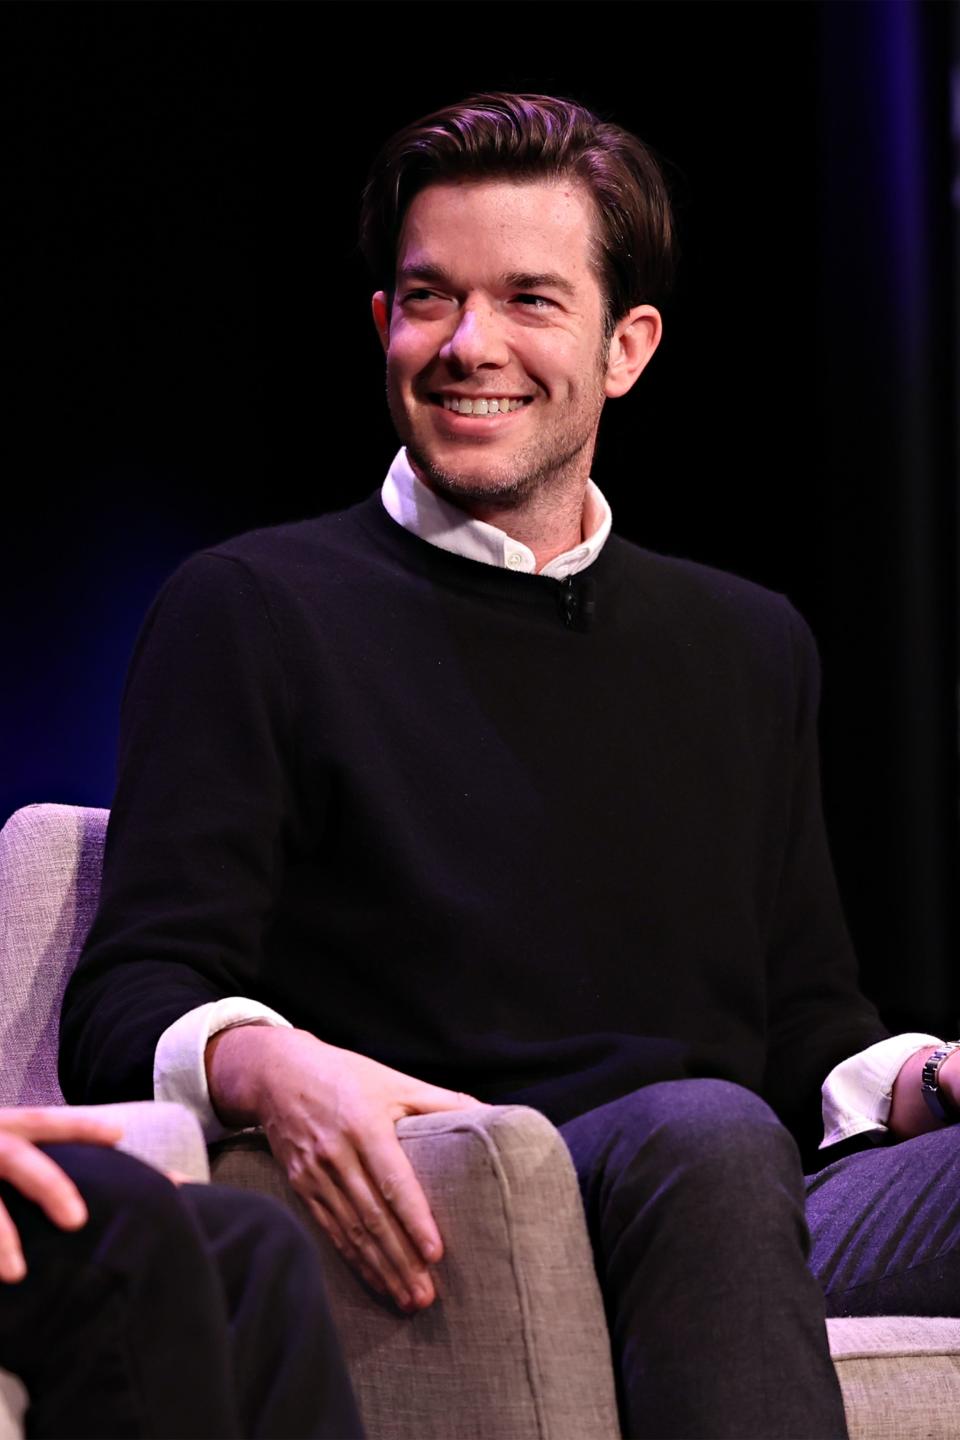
856 1093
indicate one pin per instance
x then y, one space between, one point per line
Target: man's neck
548 530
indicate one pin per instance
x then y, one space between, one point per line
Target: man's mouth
482 405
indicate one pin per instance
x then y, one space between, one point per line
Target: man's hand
330 1117
37 1177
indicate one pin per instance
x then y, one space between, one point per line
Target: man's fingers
372 1279
395 1179
12 1264
337 1220
331 1228
373 1209
374 1241
57 1123
40 1179
426 1099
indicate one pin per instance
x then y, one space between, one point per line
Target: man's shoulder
302 566
724 624
682 586
321 540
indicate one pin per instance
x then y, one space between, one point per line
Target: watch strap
940 1106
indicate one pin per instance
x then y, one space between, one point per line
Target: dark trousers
702 1221
174 1313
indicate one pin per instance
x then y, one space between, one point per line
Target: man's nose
478 340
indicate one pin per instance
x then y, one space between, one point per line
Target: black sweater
540 841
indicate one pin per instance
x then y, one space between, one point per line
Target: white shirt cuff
179 1072
858 1091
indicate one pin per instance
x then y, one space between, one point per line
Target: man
131 1306
469 790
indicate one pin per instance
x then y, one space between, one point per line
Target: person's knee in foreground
131 1306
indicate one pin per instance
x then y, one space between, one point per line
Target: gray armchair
517 1345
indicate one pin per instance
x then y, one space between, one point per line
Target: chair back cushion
51 857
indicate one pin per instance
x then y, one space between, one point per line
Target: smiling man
457 797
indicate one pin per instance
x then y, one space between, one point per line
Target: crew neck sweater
354 786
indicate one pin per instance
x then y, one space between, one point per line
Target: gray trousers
718 1260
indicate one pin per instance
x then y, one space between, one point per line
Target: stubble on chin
510 488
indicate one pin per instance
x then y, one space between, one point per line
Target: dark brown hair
529 137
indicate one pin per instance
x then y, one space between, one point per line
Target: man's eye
534 302
415 295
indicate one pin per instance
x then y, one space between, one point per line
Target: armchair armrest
164 1135
13 1406
516 1346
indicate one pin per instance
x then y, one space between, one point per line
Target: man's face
496 358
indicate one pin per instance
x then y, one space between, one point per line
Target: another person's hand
38 1177
330 1116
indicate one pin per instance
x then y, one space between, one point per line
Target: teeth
463 406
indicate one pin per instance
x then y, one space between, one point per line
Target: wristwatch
940 1105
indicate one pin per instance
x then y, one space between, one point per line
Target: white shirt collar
411 504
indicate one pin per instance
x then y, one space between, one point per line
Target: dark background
189 354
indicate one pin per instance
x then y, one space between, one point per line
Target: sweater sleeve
817 1015
197 829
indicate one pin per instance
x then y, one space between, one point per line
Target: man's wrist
940 1082
236 1060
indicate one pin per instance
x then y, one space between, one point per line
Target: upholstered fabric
900 1376
516 1346
50 862
13 1403
165 1135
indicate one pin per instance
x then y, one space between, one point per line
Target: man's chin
471 482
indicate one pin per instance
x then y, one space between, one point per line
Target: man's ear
636 337
380 305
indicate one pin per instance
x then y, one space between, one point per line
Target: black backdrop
189 352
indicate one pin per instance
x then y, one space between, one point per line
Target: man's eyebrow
429 274
538 280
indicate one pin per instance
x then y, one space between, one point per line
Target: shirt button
514 559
